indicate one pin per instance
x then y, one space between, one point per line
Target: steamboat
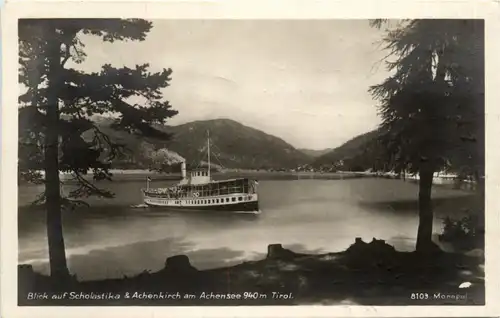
197 191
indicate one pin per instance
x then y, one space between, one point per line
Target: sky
305 81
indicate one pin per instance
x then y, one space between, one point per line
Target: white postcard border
236 9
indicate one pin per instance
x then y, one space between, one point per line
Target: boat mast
208 144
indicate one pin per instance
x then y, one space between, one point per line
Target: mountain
313 153
367 152
233 145
358 154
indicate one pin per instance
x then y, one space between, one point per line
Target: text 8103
419 296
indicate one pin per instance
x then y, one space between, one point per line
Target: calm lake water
111 239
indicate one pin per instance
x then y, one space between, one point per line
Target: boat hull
238 202
236 207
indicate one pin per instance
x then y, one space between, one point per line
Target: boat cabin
212 189
199 176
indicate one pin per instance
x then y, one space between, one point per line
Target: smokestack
183 169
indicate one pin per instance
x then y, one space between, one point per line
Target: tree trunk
479 183
424 235
57 253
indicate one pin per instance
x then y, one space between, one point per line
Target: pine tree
433 103
59 105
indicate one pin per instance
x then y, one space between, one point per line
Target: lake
111 239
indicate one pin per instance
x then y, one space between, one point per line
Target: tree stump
179 263
276 251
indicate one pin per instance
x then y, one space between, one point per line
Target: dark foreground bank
365 274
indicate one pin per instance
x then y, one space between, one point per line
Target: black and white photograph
250 162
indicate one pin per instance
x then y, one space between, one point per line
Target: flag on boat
148 178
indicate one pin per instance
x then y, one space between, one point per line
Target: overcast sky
304 81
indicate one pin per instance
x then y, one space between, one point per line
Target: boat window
240 199
233 199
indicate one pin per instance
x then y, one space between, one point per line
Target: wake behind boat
197 191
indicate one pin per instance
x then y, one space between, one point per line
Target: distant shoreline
131 175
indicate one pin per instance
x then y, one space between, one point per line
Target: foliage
433 103
466 233
81 95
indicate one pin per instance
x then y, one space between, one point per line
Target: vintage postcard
242 159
